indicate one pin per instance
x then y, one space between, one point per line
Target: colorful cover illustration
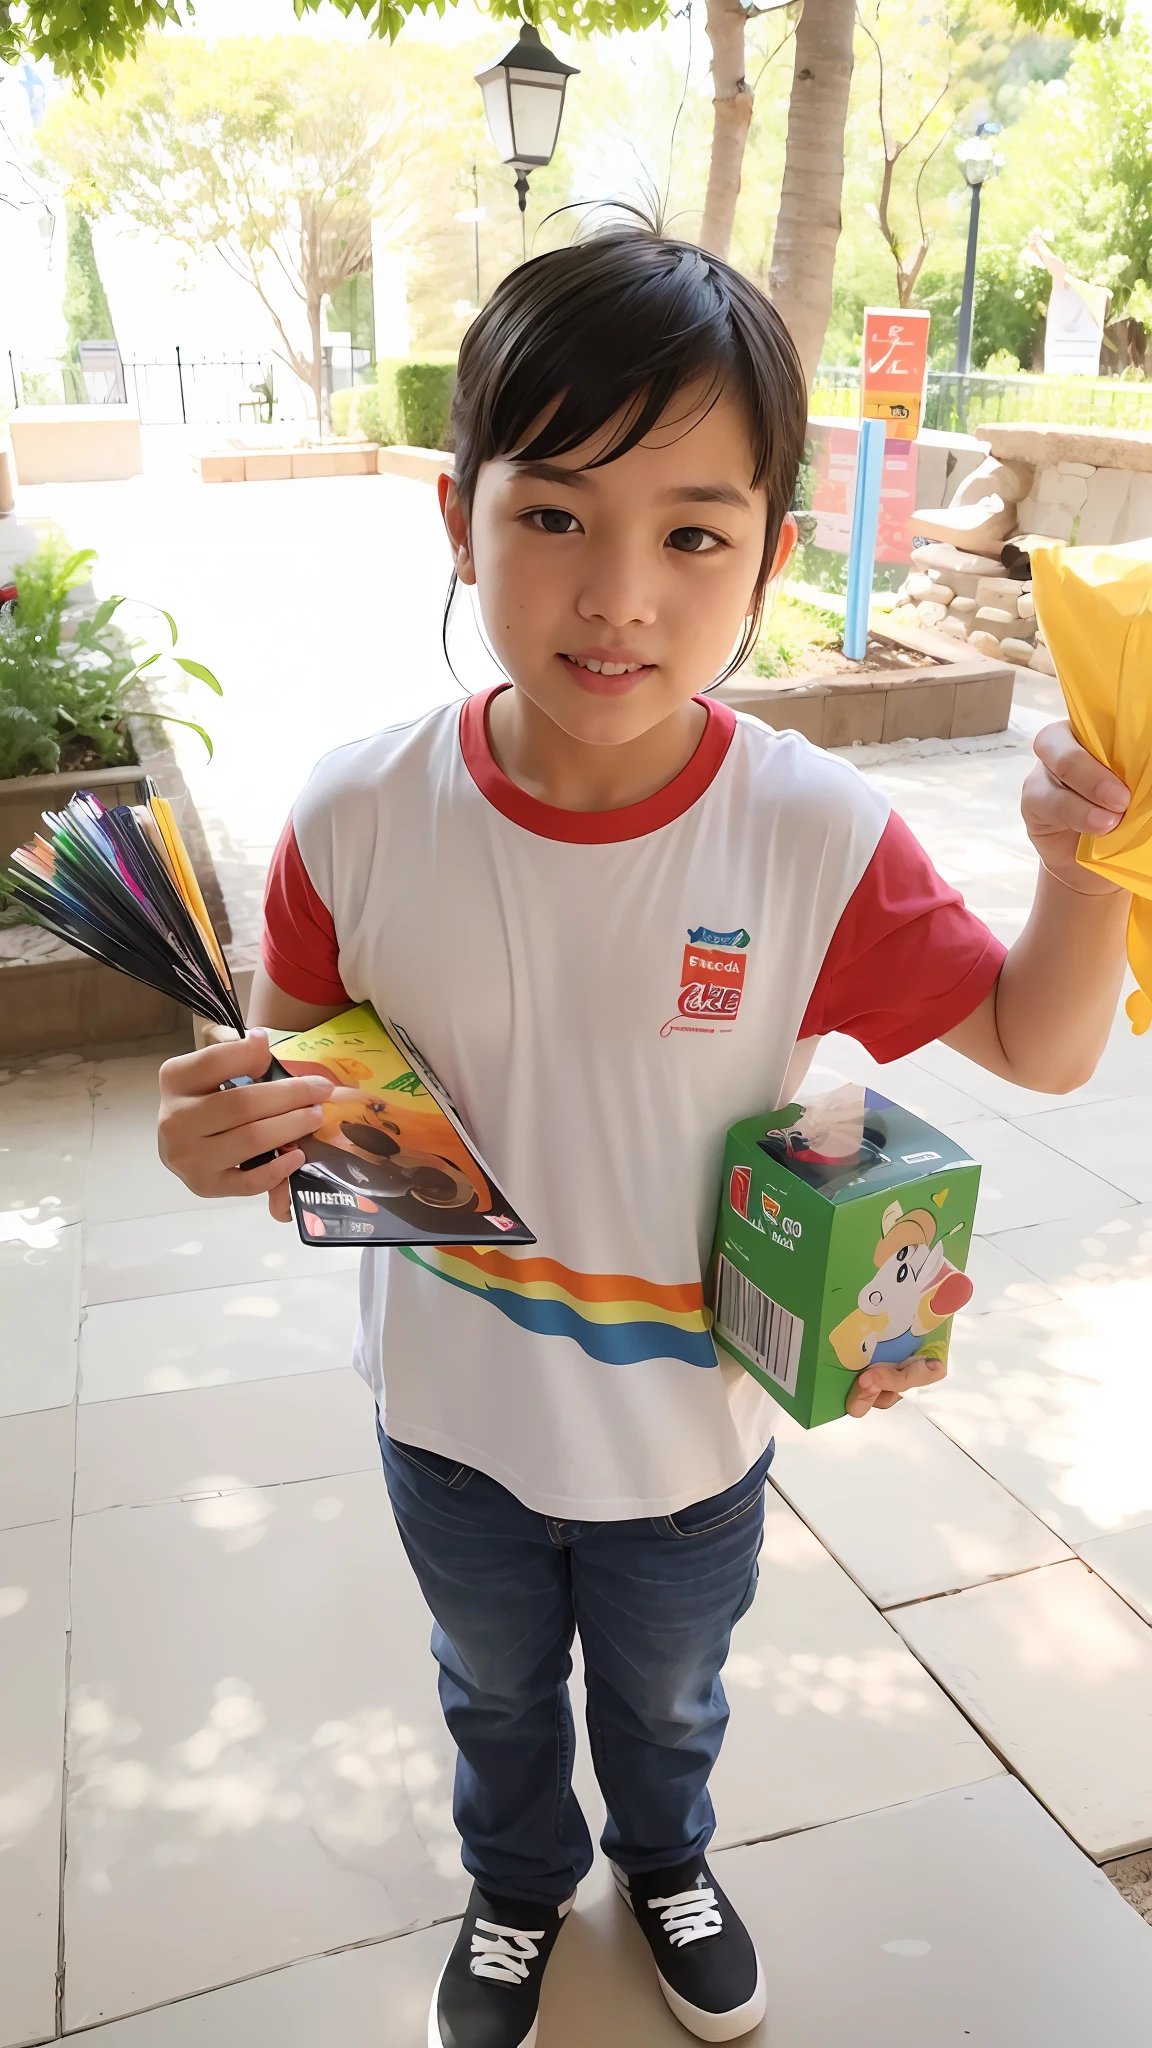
841 1242
390 1163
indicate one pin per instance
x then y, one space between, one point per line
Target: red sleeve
907 962
299 948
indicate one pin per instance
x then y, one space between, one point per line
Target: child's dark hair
614 327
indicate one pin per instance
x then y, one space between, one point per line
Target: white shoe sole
436 2038
707 2026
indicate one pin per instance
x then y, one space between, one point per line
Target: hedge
359 413
416 399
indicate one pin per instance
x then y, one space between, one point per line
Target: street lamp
524 99
978 161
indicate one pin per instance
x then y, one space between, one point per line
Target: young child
516 878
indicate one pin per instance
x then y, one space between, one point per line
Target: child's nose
619 588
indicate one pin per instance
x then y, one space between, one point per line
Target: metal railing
962 404
182 390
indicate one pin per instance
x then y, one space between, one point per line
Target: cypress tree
86 308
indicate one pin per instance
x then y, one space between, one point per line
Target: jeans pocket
446 1471
704 1517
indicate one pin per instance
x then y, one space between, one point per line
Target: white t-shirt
602 994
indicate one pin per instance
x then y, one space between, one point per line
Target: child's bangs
596 344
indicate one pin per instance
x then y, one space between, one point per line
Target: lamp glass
537 102
494 89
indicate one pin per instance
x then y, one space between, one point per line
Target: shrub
370 419
416 398
68 676
340 411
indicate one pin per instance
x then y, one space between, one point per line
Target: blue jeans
655 1601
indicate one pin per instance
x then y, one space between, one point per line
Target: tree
86 39
276 153
808 221
86 309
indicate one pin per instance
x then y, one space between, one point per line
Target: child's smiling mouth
603 675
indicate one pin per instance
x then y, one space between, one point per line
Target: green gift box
842 1240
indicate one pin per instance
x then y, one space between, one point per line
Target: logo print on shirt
711 980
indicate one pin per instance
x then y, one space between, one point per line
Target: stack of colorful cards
119 885
392 1162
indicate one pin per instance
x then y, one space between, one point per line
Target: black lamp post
524 99
979 162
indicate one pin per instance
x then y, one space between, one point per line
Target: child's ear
456 524
786 541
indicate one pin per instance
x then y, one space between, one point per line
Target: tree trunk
808 223
732 113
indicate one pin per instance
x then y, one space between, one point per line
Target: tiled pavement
941 1737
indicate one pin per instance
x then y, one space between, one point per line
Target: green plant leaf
104 611
171 623
169 718
202 674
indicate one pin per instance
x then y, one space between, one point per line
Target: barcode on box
758 1326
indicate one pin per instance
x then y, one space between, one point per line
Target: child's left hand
880 1386
1068 793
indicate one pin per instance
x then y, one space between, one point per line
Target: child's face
649 563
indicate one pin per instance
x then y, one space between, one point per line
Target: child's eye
552 520
693 540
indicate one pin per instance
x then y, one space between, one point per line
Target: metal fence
962 404
196 391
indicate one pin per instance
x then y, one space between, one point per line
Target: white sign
1075 328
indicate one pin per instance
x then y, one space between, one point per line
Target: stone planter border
956 695
69 1000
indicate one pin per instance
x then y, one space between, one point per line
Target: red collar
592 828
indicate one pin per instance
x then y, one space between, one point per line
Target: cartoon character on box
912 1293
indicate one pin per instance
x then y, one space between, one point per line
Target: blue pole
862 553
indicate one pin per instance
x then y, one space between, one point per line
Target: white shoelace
689 1916
505 1957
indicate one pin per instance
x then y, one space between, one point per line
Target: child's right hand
206 1131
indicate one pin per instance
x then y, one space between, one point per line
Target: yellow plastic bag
1095 605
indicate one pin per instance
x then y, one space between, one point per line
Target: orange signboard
893 368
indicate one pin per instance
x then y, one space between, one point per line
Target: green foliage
340 411
37 388
68 676
792 632
86 307
370 423
350 311
577 17
85 39
419 392
358 412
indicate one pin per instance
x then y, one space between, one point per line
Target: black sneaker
709 1970
489 1989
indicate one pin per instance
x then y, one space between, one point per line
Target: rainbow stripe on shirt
613 1317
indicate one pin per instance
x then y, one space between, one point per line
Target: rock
1138 517
905 615
1045 522
940 555
1076 468
962 607
1095 447
931 614
998 590
1052 487
1017 651
981 527
942 593
993 478
991 617
1041 659
954 628
1103 512
918 587
985 643
1026 605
